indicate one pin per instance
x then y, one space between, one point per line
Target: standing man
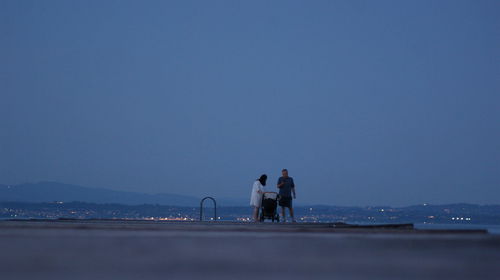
287 188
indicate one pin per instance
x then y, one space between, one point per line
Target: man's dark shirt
286 189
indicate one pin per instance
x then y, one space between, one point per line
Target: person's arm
280 183
257 187
293 190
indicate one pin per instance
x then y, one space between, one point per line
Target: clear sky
365 102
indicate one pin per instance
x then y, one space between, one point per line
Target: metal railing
201 207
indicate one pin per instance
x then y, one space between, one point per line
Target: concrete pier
191 250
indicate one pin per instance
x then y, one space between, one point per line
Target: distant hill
53 191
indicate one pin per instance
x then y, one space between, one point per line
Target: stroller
269 207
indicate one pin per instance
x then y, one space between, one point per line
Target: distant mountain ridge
54 191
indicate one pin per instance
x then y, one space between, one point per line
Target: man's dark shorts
285 202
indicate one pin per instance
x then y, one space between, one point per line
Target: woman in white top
256 197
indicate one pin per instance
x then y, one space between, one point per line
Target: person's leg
283 217
291 214
255 214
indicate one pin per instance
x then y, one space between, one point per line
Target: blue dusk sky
365 102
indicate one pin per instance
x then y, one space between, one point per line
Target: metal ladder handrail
201 207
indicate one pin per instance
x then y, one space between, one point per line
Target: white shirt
256 197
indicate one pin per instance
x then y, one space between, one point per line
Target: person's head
284 173
263 179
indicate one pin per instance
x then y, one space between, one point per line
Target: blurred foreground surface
149 250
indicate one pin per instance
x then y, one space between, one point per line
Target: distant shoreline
459 215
